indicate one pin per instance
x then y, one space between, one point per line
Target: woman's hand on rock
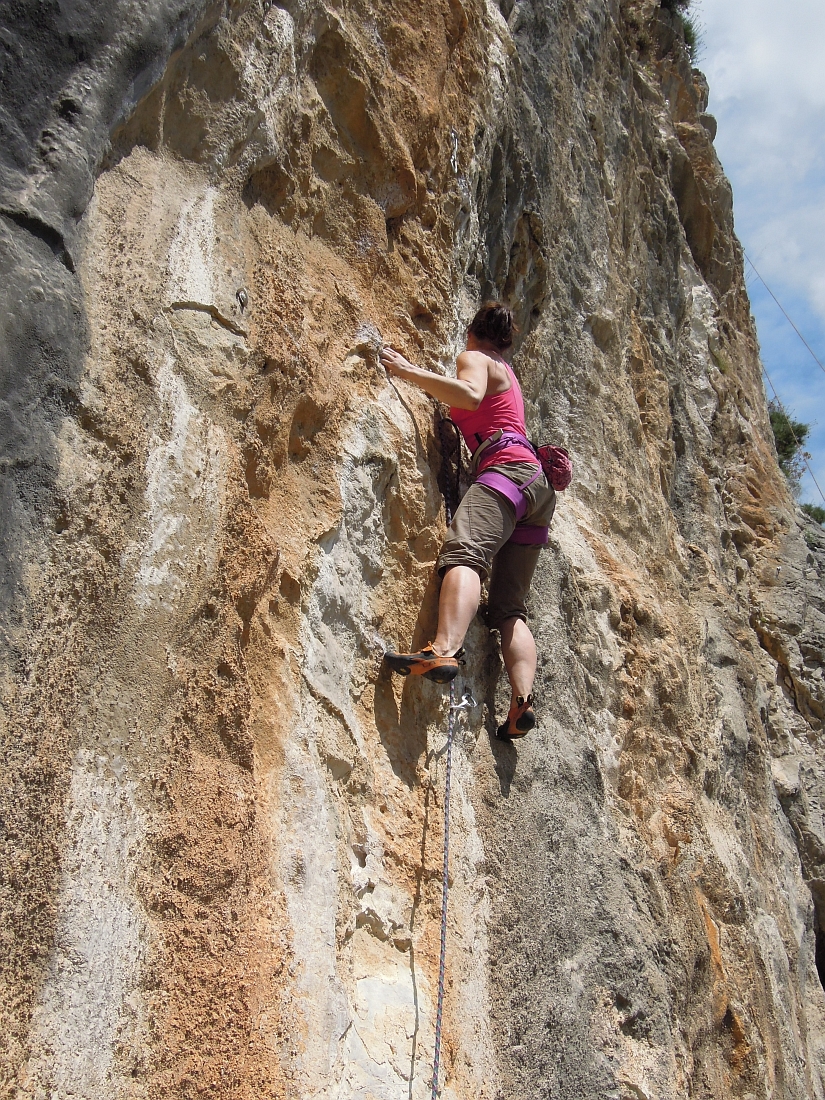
463 393
394 362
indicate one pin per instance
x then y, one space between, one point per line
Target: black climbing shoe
426 663
520 720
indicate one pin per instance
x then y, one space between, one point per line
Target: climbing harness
554 463
523 533
467 703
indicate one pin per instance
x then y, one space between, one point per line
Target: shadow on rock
403 731
505 757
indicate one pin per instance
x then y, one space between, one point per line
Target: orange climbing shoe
520 720
426 663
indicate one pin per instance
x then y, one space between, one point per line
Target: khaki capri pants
478 537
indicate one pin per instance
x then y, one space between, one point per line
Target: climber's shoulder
483 370
473 364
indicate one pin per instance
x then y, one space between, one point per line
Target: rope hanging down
467 702
449 484
786 315
449 475
770 380
442 958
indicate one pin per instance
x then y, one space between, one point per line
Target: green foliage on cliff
789 436
691 36
815 511
690 28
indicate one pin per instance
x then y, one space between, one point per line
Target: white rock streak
191 253
309 871
90 1004
366 1002
184 478
359 1027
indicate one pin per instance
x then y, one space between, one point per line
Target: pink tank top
497 410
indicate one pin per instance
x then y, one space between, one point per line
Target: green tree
815 511
789 436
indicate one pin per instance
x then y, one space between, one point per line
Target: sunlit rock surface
221 821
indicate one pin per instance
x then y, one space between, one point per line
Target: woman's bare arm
466 391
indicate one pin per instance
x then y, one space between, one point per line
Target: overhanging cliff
221 821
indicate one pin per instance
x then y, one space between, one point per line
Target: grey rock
221 821
710 124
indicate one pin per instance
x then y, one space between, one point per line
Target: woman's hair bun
494 325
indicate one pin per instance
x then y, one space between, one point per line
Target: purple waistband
525 534
530 534
514 493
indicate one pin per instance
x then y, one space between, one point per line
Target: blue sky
765 62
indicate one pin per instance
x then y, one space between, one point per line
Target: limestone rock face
222 822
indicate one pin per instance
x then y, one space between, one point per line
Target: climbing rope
444 886
467 703
448 481
816 359
449 475
787 316
789 422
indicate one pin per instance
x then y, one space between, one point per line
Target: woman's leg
457 605
513 571
519 652
483 521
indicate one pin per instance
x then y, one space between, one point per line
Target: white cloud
764 64
758 48
784 234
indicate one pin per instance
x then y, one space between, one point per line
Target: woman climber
501 523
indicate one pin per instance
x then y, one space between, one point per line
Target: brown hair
494 325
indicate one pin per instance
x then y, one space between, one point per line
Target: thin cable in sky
790 423
787 318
